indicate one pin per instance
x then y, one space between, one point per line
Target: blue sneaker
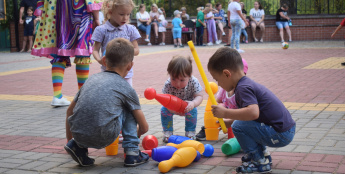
79 154
135 160
255 167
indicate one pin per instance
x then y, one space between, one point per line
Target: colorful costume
65 31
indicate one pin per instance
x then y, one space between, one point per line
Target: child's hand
190 106
142 129
218 111
228 122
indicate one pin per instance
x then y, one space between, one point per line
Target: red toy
149 152
169 101
150 142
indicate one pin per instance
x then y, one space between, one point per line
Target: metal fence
270 6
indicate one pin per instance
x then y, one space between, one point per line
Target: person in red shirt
342 24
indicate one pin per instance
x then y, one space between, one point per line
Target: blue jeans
167 119
236 32
244 32
199 35
146 28
128 125
254 136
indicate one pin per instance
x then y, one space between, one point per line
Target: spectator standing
220 21
162 25
200 24
29 29
144 22
177 29
257 16
235 15
184 13
282 22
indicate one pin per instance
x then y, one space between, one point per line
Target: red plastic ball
150 93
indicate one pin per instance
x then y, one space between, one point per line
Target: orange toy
210 122
169 101
181 158
190 143
112 149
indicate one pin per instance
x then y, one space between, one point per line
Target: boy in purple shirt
261 120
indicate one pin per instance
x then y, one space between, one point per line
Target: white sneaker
209 44
240 51
218 42
162 43
223 34
60 102
147 40
149 44
166 136
190 134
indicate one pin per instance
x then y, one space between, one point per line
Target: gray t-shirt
186 93
99 103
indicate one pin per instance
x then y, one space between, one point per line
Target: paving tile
333 158
316 169
314 157
219 170
341 169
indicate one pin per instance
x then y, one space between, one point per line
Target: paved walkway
307 77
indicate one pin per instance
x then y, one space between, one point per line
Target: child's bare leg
24 43
30 43
163 37
175 41
179 41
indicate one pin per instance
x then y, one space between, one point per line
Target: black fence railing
270 6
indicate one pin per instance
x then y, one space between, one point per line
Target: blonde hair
154 5
180 66
207 10
109 5
119 52
208 5
241 3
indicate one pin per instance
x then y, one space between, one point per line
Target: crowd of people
154 19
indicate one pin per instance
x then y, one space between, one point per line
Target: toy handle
207 85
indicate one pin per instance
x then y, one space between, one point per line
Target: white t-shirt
141 16
233 7
257 14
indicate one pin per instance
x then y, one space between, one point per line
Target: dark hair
218 4
119 52
285 6
260 6
30 8
180 66
225 58
183 17
141 6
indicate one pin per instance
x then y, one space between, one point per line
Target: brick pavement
307 78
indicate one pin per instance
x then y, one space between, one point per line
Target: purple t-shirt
107 32
272 110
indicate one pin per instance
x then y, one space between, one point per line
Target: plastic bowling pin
169 101
163 153
231 147
149 152
149 142
190 143
230 133
181 158
176 139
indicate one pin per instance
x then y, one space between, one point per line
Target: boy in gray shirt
105 105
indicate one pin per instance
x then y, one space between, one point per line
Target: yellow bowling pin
190 143
181 158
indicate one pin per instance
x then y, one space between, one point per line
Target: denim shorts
177 32
282 24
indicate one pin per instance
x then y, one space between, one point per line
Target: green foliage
9 14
